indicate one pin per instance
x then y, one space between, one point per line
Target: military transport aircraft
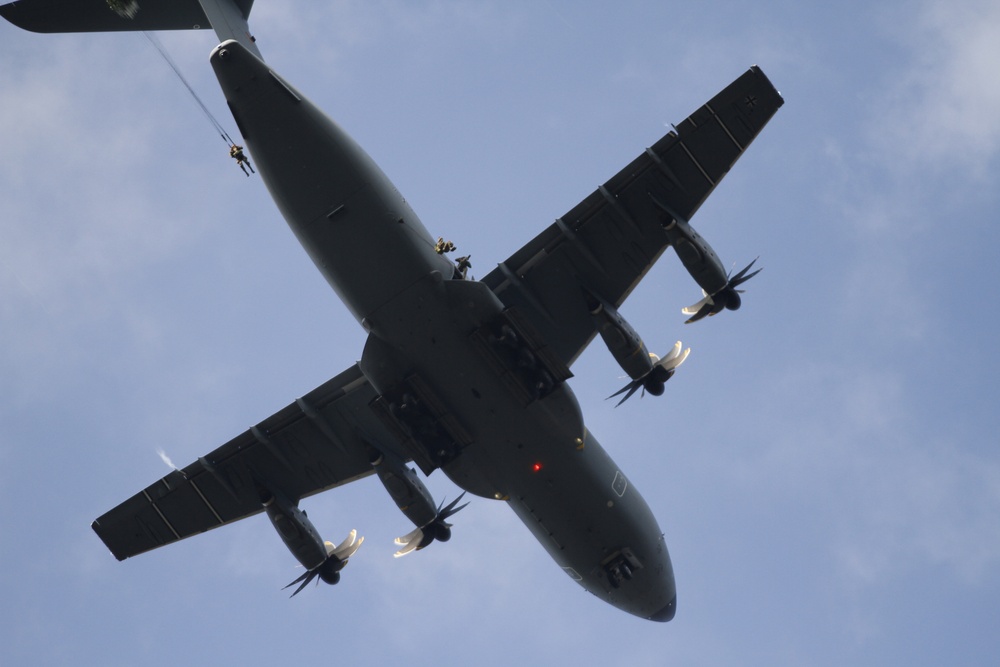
469 377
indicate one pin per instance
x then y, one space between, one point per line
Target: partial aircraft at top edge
465 376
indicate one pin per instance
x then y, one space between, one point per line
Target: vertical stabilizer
229 22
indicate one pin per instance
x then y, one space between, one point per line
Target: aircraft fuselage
437 342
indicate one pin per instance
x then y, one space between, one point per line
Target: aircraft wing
318 442
105 15
611 239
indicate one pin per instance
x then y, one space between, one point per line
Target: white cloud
923 504
899 490
943 110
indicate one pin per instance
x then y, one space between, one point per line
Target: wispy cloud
910 494
943 110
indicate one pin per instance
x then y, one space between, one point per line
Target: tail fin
227 17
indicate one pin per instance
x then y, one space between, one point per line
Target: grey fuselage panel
359 231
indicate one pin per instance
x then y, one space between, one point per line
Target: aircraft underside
472 398
464 385
469 377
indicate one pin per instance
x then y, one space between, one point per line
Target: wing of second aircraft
107 15
320 441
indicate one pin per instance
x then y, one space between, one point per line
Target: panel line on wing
664 167
263 439
205 500
218 476
724 128
580 244
526 291
320 422
616 205
697 164
161 515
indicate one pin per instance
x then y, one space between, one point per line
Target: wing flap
320 441
608 241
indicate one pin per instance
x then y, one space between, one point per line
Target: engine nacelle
296 530
415 501
621 339
407 491
320 559
704 266
697 256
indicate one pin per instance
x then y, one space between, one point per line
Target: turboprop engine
648 371
321 559
415 501
700 260
660 370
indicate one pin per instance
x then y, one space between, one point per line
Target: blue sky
824 466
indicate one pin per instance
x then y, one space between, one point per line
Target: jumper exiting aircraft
469 377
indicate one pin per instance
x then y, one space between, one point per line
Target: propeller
728 297
653 381
336 560
438 529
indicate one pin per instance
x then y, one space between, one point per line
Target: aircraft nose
667 613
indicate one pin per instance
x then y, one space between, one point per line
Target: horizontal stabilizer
110 15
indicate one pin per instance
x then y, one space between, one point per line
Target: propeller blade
451 509
672 354
300 578
438 529
409 542
305 579
663 369
631 388
706 309
303 584
630 385
672 361
345 551
698 307
635 388
348 541
414 534
409 548
727 297
741 277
